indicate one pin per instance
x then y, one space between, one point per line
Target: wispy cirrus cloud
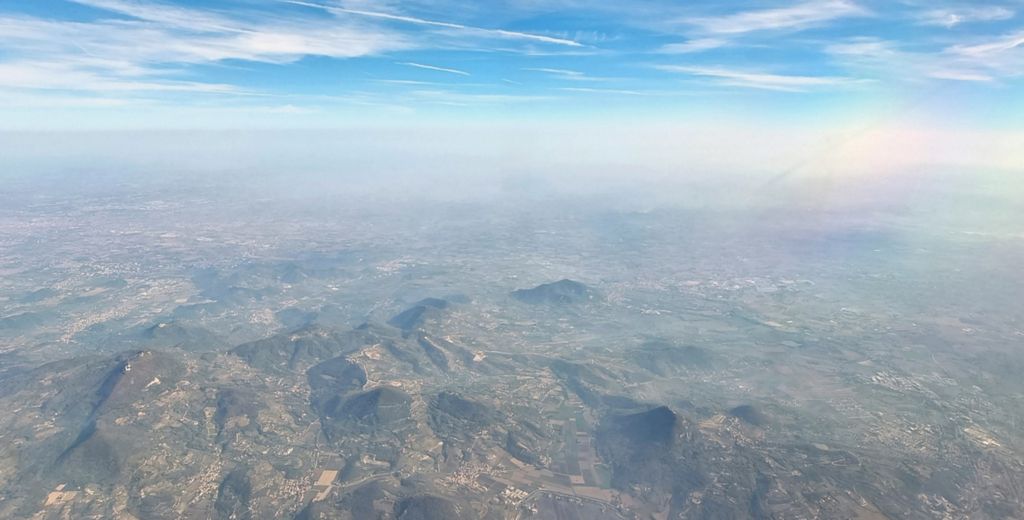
981 61
164 33
14 99
958 75
715 32
567 74
761 80
1002 57
862 47
64 76
799 16
952 17
459 98
987 49
167 15
616 91
694 45
148 47
406 82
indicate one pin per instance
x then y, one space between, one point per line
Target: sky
903 71
96 61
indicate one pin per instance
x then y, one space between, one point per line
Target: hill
298 349
414 316
562 292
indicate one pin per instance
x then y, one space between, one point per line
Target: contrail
422 21
432 67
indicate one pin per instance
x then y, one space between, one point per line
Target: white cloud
573 75
1002 57
16 99
63 76
406 82
151 49
608 91
952 17
959 75
988 60
166 15
692 46
761 80
981 50
862 47
799 16
713 32
448 97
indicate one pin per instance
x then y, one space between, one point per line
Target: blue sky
311 63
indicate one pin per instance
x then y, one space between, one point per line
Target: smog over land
572 261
